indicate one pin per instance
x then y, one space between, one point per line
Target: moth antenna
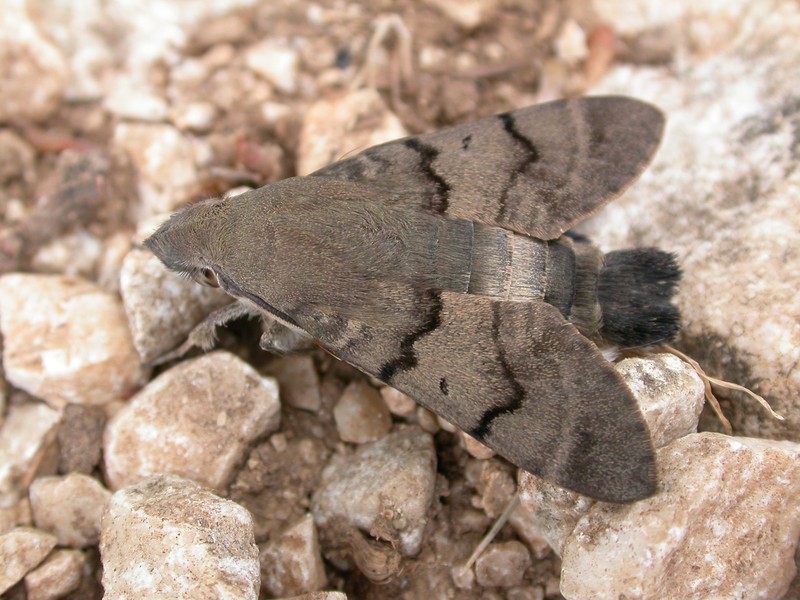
492 533
709 392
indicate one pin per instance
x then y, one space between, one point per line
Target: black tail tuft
634 289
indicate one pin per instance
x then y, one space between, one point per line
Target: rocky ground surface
238 474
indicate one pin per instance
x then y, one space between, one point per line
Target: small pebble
361 415
398 403
275 62
502 564
21 550
173 424
475 448
57 576
200 545
69 507
292 564
381 481
298 380
28 447
66 340
334 127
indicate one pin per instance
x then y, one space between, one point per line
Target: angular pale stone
570 45
165 164
553 510
74 254
333 128
292 563
66 340
502 564
70 508
361 415
162 306
384 488
275 62
475 448
469 14
33 72
167 537
27 447
398 403
195 116
669 392
82 30
524 523
130 98
57 576
725 524
21 549
298 379
195 420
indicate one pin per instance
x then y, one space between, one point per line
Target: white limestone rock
33 71
336 127
502 564
21 550
66 340
167 537
384 488
164 160
57 576
28 447
69 507
361 415
725 524
669 392
469 14
195 420
292 564
276 62
298 379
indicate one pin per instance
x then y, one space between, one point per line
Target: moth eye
207 277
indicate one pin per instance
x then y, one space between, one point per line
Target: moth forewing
537 170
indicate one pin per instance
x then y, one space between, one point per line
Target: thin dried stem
490 535
712 400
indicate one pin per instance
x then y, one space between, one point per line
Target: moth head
191 242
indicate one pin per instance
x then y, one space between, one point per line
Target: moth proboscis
443 265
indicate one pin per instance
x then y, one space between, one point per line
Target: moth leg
204 335
282 339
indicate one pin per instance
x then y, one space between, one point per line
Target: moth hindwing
440 265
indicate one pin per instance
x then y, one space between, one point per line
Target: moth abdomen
622 298
635 289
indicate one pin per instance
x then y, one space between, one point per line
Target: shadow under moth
440 265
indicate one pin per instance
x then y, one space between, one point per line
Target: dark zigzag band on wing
531 156
428 154
431 300
517 393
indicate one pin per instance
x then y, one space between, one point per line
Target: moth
442 265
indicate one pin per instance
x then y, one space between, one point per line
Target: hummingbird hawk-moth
443 265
